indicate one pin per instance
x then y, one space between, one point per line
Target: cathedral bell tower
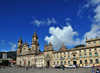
35 43
20 44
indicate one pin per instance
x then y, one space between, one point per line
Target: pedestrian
92 70
97 71
27 68
42 67
63 67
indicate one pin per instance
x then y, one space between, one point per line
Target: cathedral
89 54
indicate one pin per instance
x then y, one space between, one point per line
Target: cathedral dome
63 48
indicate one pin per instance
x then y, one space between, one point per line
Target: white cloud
2 40
4 51
59 36
79 13
68 19
3 44
67 23
97 16
44 22
95 27
13 46
91 3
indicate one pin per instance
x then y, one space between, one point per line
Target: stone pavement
45 70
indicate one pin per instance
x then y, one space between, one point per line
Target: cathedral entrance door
20 63
48 63
74 62
29 63
24 63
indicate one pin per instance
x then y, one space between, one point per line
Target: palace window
36 48
96 54
89 44
68 62
84 50
68 52
80 61
61 57
64 52
61 62
94 43
64 62
85 61
79 51
89 49
68 57
33 48
57 57
74 56
57 53
85 55
64 57
99 42
47 54
90 61
95 49
96 61
54 58
54 63
90 55
80 56
57 62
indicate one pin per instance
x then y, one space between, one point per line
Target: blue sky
55 21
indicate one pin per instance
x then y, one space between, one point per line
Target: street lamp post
35 62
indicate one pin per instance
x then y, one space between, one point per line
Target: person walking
63 67
97 71
92 70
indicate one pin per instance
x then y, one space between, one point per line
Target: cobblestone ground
45 70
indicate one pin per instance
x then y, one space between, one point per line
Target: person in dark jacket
63 67
97 71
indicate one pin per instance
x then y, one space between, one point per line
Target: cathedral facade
89 54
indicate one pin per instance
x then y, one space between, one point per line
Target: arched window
96 54
61 57
33 48
90 55
68 57
57 62
94 43
57 58
36 48
54 58
61 62
89 44
74 56
90 61
54 63
85 55
80 56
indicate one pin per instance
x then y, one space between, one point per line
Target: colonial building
88 54
25 55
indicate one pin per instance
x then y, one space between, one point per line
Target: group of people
97 71
27 68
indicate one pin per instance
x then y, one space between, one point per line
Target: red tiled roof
40 54
13 61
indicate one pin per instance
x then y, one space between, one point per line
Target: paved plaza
44 70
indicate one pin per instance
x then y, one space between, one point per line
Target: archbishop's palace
90 54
